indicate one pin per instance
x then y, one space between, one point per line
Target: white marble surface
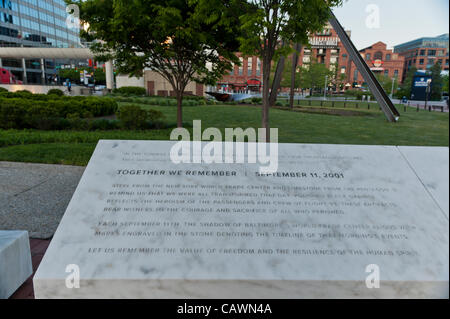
307 236
15 261
431 164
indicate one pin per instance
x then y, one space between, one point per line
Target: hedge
135 118
57 92
27 113
130 90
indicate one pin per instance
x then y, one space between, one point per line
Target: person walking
69 85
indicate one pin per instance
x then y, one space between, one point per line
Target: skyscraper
34 23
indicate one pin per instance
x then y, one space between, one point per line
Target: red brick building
327 48
381 61
247 77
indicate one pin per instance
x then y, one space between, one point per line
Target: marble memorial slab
15 261
431 164
332 221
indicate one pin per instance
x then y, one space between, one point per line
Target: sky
399 20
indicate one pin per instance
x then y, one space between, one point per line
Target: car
100 87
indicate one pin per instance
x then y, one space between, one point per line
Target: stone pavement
34 197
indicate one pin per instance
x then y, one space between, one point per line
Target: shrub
56 92
42 117
12 114
257 100
131 90
155 116
133 117
104 124
46 114
23 93
3 90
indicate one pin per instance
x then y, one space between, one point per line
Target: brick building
381 61
423 53
326 47
246 77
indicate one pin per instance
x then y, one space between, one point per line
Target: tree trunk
277 81
179 108
266 105
297 48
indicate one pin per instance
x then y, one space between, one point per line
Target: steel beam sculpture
380 95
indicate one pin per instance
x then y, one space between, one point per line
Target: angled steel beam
382 98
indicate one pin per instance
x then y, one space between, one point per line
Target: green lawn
363 127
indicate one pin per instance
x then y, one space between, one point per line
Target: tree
406 88
437 82
294 82
182 40
386 82
338 78
313 75
271 21
445 85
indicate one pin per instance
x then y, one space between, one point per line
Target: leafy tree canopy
182 40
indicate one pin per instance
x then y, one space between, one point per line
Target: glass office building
35 23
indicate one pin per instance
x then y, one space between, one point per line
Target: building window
368 57
378 55
422 52
446 62
386 72
250 66
388 57
232 69
421 61
431 52
355 75
396 73
241 66
258 67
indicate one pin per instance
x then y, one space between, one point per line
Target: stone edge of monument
15 261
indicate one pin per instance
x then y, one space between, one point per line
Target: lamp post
392 90
427 92
325 89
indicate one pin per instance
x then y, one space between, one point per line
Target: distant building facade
423 53
326 47
243 78
34 23
156 85
381 61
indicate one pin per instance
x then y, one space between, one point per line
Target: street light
427 92
325 90
392 90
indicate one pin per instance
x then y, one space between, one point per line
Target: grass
305 125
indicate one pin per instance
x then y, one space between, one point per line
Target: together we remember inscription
140 226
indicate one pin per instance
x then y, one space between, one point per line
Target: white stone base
15 261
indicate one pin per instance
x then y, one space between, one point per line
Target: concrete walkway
34 197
